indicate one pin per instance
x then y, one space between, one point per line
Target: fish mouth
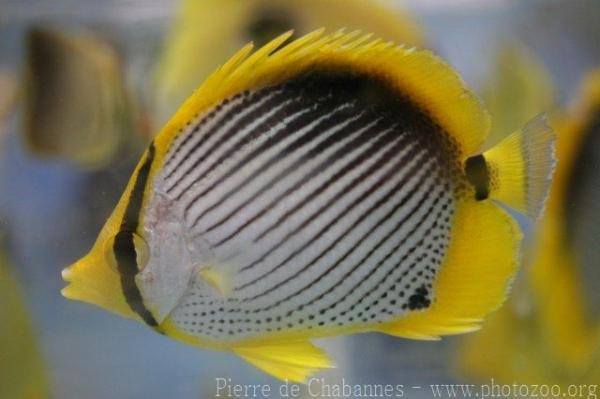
67 276
75 277
93 281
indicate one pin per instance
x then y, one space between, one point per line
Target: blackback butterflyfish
330 185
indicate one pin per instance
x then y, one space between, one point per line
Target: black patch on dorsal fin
477 172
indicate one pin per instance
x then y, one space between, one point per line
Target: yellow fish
76 105
519 87
550 330
22 374
217 28
8 96
333 185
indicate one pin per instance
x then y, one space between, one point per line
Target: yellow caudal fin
474 278
520 167
293 360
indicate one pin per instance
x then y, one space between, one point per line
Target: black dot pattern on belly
388 280
406 286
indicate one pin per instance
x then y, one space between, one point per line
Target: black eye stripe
124 246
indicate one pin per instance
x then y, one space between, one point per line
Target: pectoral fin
219 278
291 360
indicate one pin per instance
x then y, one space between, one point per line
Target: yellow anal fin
521 167
287 360
219 278
474 277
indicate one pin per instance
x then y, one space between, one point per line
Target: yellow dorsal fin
474 277
293 360
218 278
427 80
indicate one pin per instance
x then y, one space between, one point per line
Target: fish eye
123 245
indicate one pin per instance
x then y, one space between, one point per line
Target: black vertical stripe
124 247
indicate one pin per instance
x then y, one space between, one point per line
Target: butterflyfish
331 185
77 107
549 331
217 28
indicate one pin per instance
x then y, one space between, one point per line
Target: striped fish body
325 202
328 186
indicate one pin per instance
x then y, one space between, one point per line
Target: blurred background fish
205 33
8 95
76 103
54 205
519 87
549 332
22 372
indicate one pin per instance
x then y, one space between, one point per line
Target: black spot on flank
419 299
